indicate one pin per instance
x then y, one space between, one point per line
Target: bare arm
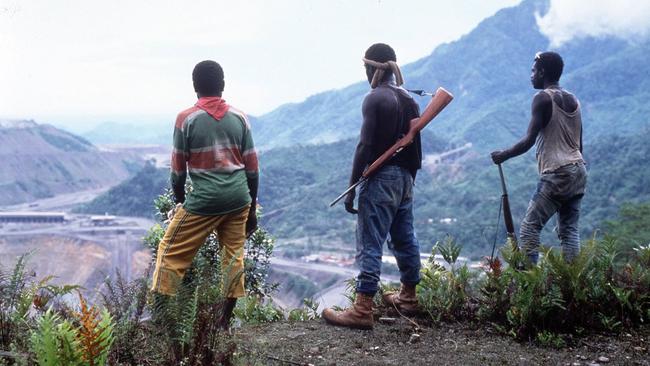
362 153
540 115
180 155
361 159
251 222
251 166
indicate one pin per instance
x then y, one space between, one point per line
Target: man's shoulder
542 98
239 114
186 115
380 95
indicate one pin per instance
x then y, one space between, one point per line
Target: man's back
218 153
559 142
387 111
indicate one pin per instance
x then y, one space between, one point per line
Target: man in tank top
556 128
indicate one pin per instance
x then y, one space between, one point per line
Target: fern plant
94 334
55 341
22 298
447 294
46 342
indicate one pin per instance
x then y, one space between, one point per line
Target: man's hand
251 223
498 157
172 212
349 203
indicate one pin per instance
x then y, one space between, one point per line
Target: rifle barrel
352 187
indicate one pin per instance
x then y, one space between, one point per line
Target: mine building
103 220
31 217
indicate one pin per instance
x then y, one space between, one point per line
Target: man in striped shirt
213 142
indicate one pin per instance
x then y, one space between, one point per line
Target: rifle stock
438 102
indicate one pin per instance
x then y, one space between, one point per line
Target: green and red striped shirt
213 142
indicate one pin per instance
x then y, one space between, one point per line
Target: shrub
23 299
255 310
595 291
598 290
447 293
549 339
309 311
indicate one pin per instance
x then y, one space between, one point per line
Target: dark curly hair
207 77
551 63
381 52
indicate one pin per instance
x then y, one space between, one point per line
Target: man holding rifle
385 204
556 127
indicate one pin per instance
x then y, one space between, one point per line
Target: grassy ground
316 343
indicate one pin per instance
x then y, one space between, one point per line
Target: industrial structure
31 217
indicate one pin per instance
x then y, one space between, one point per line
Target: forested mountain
39 161
460 198
488 71
134 196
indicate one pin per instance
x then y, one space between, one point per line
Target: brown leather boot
406 301
358 316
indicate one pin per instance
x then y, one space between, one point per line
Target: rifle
507 215
439 101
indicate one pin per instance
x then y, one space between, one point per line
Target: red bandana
214 106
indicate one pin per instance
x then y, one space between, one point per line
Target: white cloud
568 19
73 59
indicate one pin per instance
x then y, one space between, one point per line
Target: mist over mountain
39 161
130 133
134 133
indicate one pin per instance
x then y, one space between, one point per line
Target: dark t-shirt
387 112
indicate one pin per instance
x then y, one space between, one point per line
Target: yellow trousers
182 240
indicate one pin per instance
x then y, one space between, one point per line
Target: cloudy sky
80 62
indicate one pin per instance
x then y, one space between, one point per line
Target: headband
380 69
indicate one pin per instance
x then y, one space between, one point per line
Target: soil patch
316 343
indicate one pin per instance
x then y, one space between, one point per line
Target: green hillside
133 197
298 184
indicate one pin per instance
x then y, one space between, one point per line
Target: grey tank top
558 144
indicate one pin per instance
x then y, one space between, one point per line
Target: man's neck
388 81
551 85
199 96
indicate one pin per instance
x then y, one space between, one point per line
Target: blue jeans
386 208
560 192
